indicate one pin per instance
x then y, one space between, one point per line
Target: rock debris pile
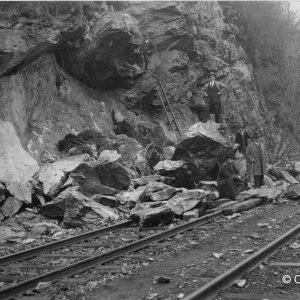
109 178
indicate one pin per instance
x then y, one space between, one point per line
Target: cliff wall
67 67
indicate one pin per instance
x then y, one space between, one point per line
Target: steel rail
102 258
62 243
212 288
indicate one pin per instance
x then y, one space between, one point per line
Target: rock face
202 145
44 102
16 164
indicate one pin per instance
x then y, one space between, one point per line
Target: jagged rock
15 163
157 190
53 176
52 179
132 196
45 228
70 163
289 178
293 168
91 212
20 191
268 182
263 192
168 152
11 206
6 232
141 163
75 209
107 156
190 215
154 216
281 174
293 192
106 200
127 147
167 166
201 145
2 217
163 195
107 60
186 200
105 179
144 180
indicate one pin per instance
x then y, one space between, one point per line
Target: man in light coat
257 159
212 91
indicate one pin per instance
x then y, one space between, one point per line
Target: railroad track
107 244
211 289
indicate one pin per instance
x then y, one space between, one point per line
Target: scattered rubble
112 176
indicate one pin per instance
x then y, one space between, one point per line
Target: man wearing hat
257 160
242 138
212 91
229 182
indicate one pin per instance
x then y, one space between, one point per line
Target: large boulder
293 192
52 179
16 164
75 209
11 206
104 179
151 217
20 191
187 200
132 196
107 58
53 175
201 145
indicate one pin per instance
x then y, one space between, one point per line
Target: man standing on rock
257 160
212 91
147 48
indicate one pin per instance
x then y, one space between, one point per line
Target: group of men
229 181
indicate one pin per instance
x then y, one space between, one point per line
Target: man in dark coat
242 138
229 182
213 92
147 48
257 159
